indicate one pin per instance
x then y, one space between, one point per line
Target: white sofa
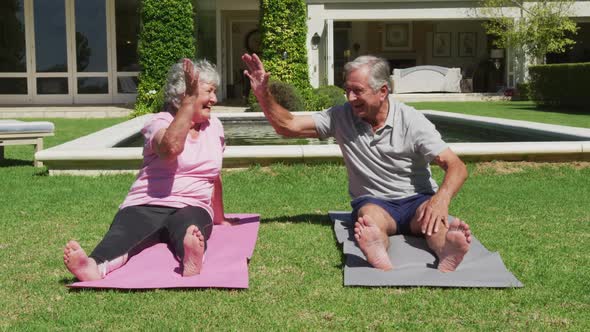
426 79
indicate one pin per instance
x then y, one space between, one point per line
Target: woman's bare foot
373 243
457 242
194 249
82 266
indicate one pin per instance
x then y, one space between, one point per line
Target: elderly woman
177 196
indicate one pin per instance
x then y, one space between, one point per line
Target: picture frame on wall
467 42
441 44
397 36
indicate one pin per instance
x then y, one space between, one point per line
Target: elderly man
387 147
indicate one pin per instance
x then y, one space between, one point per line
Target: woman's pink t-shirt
186 180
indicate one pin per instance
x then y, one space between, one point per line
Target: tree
542 27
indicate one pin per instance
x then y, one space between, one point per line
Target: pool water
260 132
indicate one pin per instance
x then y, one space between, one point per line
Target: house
84 52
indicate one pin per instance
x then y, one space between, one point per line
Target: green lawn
515 110
535 215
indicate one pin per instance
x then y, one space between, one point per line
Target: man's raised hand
256 73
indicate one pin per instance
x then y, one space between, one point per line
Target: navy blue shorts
401 210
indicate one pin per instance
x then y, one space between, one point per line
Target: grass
535 215
515 110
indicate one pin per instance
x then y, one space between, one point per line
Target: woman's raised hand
191 78
256 73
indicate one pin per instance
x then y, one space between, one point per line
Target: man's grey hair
175 85
378 70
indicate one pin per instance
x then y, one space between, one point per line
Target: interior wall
369 36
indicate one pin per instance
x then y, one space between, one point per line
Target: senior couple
387 148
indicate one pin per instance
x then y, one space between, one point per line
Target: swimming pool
259 132
107 150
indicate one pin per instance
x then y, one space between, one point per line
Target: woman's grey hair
378 70
175 85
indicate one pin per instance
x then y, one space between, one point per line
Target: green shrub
154 104
334 93
522 91
315 101
283 26
167 36
560 85
298 101
323 97
285 94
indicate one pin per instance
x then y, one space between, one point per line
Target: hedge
560 85
166 37
283 34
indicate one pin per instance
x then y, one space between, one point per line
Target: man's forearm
278 116
455 176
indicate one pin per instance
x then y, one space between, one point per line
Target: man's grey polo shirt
391 163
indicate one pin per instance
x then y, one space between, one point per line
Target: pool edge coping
99 145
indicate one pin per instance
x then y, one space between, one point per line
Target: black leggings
138 227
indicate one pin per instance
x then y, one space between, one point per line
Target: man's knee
379 216
371 209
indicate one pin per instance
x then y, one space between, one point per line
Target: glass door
91 65
13 52
51 82
71 57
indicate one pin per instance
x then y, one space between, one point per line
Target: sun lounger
15 132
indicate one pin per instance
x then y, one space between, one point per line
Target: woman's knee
192 215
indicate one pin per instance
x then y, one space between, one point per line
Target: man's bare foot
457 242
373 243
82 266
194 248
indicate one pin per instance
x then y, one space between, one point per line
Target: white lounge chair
15 132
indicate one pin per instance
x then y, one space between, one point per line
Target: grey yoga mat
415 265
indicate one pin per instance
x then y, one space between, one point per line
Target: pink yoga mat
225 264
